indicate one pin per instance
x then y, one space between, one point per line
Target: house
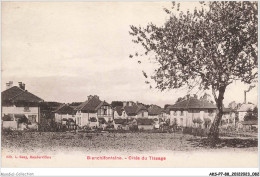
15 121
155 112
118 113
64 113
121 124
18 101
166 112
192 112
145 124
93 112
135 110
249 125
244 108
130 110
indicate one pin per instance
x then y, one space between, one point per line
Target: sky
65 51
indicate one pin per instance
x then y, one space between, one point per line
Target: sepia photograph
129 84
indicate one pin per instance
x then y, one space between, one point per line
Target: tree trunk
214 129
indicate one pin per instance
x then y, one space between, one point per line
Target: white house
93 112
192 113
130 110
64 113
155 112
18 103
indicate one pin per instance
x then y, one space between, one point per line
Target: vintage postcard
129 84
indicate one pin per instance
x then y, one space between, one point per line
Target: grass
125 142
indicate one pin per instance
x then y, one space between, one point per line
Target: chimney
245 97
21 85
124 103
9 84
90 97
250 88
130 103
96 96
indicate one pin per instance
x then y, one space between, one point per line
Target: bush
195 131
187 130
133 128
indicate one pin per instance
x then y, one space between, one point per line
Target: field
25 142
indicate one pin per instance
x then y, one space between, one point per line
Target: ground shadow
224 142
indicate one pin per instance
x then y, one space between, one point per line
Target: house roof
246 107
7 118
65 109
91 105
140 107
131 110
144 121
134 109
119 110
20 116
16 94
226 110
154 110
120 121
192 103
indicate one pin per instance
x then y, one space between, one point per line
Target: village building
130 110
121 124
192 112
128 114
155 112
250 125
244 109
19 105
93 112
64 114
145 124
118 113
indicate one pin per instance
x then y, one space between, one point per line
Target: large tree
211 46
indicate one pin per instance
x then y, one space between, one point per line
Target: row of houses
18 104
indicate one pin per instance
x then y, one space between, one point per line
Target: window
175 113
93 119
182 113
26 109
210 111
32 118
142 114
105 111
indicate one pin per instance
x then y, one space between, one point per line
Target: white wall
186 119
59 117
10 124
153 116
241 116
21 110
82 119
142 114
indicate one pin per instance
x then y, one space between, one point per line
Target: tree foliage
209 47
215 46
251 115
